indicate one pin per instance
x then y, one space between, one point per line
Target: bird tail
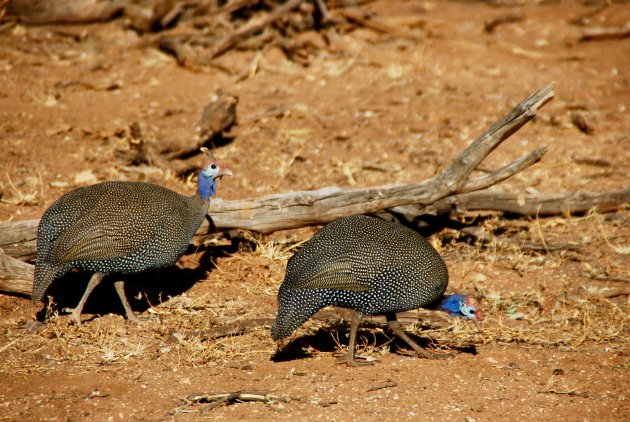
45 274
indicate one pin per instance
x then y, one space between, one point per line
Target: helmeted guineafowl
372 266
119 228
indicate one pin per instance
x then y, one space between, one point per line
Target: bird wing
337 275
103 242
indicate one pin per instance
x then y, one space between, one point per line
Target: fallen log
15 276
526 205
488 200
298 209
451 190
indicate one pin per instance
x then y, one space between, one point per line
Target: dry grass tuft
536 318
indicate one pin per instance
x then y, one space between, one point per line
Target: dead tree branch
298 209
450 191
15 276
526 205
251 28
487 200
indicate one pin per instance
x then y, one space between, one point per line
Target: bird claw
425 354
356 361
75 315
432 355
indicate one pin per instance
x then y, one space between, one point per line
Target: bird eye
213 166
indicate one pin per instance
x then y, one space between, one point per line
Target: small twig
232 6
238 396
9 344
540 233
388 384
616 293
502 19
251 28
605 33
596 162
359 17
325 16
571 392
608 278
218 399
489 238
233 329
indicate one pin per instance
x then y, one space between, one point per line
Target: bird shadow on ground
427 224
370 338
155 286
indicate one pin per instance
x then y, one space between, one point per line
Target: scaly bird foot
423 353
75 314
355 362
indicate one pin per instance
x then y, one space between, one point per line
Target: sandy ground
373 109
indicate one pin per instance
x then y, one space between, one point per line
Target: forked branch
451 190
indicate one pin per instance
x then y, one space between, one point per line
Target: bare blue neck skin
207 186
452 304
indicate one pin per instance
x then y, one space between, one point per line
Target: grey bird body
367 264
118 228
114 227
364 263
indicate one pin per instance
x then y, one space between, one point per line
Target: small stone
85 178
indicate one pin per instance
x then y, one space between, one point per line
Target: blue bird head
462 306
211 171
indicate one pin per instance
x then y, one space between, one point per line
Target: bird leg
95 280
394 325
120 289
354 326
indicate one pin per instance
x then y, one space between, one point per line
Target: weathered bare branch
449 191
253 27
506 172
17 232
15 276
297 209
529 205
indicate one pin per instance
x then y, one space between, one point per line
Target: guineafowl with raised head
120 228
372 266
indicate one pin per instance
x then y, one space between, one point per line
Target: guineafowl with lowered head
372 266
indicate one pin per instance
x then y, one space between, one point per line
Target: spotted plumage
370 265
119 228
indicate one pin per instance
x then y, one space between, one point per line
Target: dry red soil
374 109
